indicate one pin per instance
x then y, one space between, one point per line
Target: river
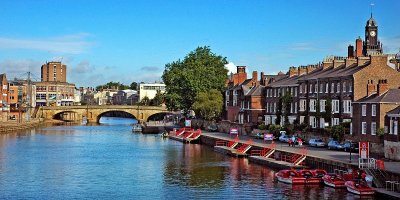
108 161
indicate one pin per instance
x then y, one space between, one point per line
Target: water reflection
109 161
117 121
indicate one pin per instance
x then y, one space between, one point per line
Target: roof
391 96
331 72
371 22
395 111
2 76
239 86
256 91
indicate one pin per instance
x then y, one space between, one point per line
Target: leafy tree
208 105
117 85
145 101
380 132
134 86
328 110
200 71
279 111
337 132
158 99
286 101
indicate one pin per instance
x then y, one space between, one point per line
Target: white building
150 90
125 97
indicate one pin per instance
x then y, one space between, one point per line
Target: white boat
137 128
84 121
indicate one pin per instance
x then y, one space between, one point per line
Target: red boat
313 176
300 177
334 180
290 176
359 187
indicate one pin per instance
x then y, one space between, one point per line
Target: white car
284 138
316 143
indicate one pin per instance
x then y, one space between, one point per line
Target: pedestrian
294 140
299 141
290 142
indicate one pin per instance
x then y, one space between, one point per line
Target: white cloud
70 44
231 67
19 68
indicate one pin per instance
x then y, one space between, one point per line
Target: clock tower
371 44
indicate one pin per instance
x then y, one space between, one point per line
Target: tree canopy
201 70
116 85
208 104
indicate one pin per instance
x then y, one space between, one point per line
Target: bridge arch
158 116
67 116
116 113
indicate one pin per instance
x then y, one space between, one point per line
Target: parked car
316 143
350 146
259 135
333 144
284 138
212 128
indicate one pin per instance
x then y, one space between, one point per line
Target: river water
110 162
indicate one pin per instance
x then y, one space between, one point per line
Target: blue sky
127 41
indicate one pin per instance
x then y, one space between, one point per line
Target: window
332 87
227 103
322 104
235 92
316 88
335 121
373 128
302 104
321 122
291 107
310 88
327 88
295 91
301 119
364 128
275 93
291 91
350 87
338 88
364 110
227 93
312 105
373 110
295 107
321 87
301 88
234 103
313 122
335 106
346 106
344 86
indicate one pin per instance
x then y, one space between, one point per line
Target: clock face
372 33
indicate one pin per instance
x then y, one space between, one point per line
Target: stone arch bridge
94 112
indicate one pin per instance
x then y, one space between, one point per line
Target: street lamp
351 146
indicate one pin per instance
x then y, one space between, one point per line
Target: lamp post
351 145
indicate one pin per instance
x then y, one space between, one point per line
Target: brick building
4 105
21 97
54 71
391 138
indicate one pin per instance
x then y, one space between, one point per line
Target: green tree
208 105
158 99
134 86
117 85
286 101
145 101
328 110
200 71
337 132
279 111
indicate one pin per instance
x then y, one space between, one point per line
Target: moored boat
313 176
290 176
334 180
359 188
137 128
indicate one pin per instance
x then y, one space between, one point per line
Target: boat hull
360 190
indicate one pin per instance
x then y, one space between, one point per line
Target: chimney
254 79
338 61
311 68
262 78
350 51
240 76
359 47
379 60
350 61
293 71
371 89
301 70
362 60
383 86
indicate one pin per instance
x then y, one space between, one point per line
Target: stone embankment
11 126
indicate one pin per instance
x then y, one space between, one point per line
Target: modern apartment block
150 90
54 71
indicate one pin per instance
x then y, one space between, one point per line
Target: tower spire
371 5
